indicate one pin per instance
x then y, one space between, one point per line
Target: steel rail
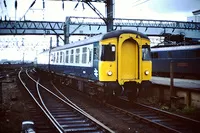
76 108
46 107
169 114
142 118
19 76
66 98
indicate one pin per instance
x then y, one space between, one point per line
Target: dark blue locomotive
185 59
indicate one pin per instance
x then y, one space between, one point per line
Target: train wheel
131 91
108 98
132 96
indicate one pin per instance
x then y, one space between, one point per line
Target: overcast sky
170 6
138 9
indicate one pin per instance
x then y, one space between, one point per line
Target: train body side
76 61
115 59
185 60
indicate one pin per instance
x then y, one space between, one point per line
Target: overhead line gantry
95 24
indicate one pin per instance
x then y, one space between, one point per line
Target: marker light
146 72
109 73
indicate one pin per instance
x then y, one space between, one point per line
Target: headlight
109 73
146 72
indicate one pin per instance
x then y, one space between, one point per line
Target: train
184 61
114 63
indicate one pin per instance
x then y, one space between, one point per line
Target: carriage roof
174 48
99 38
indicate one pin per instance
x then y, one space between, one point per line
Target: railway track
167 122
162 120
64 115
41 122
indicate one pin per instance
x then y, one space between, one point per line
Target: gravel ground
14 111
13 108
177 108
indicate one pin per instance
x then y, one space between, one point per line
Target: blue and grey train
112 63
185 61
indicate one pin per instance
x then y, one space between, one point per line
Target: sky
138 9
177 10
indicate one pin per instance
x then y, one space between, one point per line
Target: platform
180 83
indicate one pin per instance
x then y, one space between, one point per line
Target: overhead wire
28 9
140 3
136 2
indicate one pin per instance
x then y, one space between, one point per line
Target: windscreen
107 52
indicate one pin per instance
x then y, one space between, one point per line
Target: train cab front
125 63
134 63
108 66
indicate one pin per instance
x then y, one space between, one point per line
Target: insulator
5 3
15 4
63 6
43 4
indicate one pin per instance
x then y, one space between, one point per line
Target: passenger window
61 54
146 52
57 58
63 57
84 55
72 56
54 57
67 57
108 52
77 55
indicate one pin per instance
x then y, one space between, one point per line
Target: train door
128 59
